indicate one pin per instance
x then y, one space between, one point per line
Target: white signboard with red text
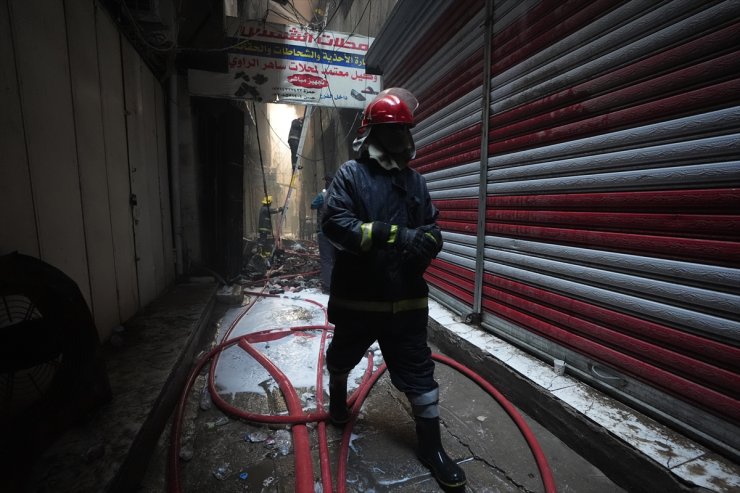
291 64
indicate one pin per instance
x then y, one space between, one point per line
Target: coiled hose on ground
298 419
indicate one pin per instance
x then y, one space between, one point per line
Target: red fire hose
298 419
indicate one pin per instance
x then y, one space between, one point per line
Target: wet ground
222 452
226 445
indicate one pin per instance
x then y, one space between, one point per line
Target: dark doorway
220 149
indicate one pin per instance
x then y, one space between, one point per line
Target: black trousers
293 144
326 257
402 338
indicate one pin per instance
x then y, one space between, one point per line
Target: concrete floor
123 447
224 453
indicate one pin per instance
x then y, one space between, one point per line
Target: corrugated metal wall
76 142
611 236
146 135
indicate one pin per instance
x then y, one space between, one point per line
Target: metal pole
480 249
259 147
175 174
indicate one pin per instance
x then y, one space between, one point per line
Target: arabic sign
283 63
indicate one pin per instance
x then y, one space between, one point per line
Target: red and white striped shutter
437 52
612 232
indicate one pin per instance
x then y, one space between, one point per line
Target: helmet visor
403 94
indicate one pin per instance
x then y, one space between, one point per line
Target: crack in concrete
502 474
474 456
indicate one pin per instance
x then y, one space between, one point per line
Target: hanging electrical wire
277 136
283 16
324 66
259 148
297 12
332 17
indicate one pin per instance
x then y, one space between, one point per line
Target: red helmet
387 109
393 105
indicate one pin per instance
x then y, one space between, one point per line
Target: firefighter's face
394 137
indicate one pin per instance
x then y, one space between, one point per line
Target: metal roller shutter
607 233
443 65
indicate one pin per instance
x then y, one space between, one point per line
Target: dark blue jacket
363 192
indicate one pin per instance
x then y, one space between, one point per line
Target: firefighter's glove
432 239
419 245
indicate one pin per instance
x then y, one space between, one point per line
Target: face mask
383 158
394 138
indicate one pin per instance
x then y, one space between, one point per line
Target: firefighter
294 137
264 225
381 219
326 249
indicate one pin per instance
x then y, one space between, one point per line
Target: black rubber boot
432 455
338 410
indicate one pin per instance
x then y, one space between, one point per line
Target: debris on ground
290 269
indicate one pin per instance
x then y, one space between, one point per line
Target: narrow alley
219 447
210 206
235 440
233 425
224 453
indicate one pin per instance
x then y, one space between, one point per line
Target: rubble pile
291 269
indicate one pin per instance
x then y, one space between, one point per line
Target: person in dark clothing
326 249
293 138
381 218
264 225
